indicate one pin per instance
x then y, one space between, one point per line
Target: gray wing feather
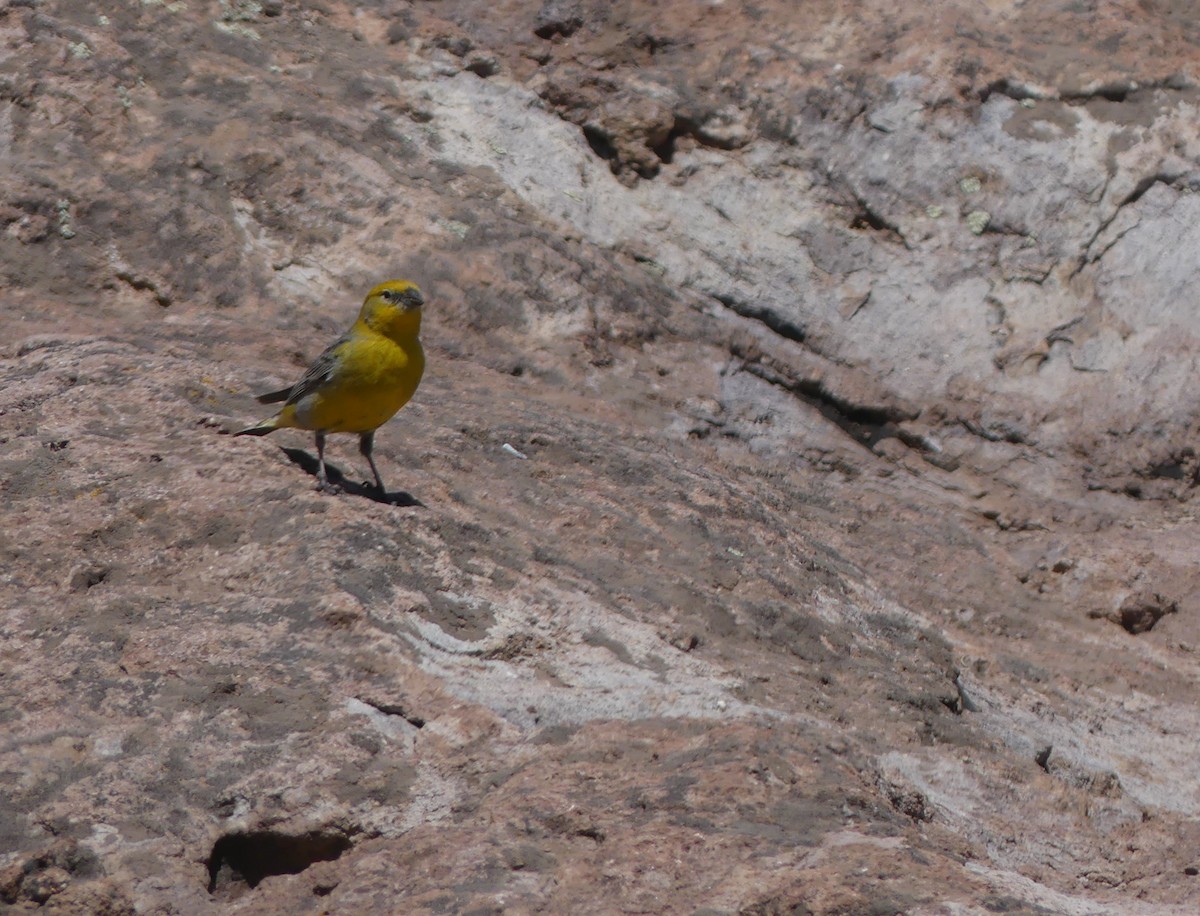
319 373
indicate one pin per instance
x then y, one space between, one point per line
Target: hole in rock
247 858
599 142
683 127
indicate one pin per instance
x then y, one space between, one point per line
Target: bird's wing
319 374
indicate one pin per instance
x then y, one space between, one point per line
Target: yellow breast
373 377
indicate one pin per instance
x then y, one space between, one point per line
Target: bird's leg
366 442
322 479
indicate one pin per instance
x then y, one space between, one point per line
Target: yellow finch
361 380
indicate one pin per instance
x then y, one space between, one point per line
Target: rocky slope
796 515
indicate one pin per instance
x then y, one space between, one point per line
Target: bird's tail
274 397
259 429
271 424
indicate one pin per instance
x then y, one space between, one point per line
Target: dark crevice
1180 466
652 44
1171 470
599 137
865 424
683 127
1006 87
1036 277
995 227
395 709
1139 191
1062 333
599 143
1112 92
784 327
867 217
965 702
483 67
142 284
690 127
247 858
1115 91
1087 258
557 20
1042 757
956 700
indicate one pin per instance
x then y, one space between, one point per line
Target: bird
360 381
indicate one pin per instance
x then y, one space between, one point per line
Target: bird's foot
324 486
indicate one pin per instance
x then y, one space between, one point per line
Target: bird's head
393 308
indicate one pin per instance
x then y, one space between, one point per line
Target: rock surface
796 516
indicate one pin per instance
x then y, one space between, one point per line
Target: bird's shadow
309 465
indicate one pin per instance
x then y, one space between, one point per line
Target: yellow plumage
361 380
